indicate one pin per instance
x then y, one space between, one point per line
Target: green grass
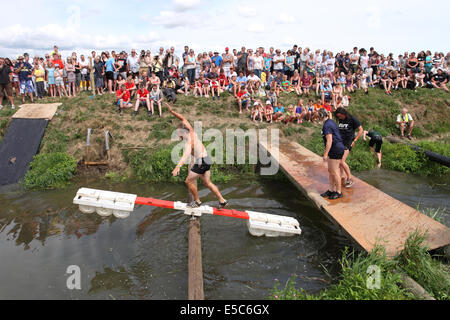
430 273
352 283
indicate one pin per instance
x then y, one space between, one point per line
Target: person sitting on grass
306 82
131 86
256 112
243 99
156 98
233 86
182 86
143 99
215 90
272 96
268 111
405 121
326 90
440 80
286 85
205 87
376 141
123 99
300 111
278 113
198 91
223 81
311 113
290 116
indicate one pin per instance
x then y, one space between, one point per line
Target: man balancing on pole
202 162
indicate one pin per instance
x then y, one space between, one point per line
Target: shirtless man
202 162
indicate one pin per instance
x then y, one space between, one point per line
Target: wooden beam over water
195 276
365 214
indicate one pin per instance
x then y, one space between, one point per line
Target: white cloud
41 39
246 11
185 5
374 18
172 19
286 18
255 28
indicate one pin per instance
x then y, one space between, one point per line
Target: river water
145 255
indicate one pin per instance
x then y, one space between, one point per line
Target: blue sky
82 25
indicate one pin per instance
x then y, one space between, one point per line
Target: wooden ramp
365 214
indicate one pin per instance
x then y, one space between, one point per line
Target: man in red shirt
57 61
143 99
123 99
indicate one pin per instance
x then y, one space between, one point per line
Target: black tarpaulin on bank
18 147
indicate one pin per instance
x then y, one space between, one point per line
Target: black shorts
202 166
335 155
377 143
348 144
110 75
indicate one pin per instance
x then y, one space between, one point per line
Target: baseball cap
268 102
20 58
256 103
226 49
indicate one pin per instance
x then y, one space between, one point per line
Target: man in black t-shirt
439 80
122 64
348 124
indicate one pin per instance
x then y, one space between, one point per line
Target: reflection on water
145 255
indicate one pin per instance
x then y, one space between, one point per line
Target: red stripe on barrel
231 213
154 203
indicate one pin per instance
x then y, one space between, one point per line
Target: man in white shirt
278 62
354 60
133 63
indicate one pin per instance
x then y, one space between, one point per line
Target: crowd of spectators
256 78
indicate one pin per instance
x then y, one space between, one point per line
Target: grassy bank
356 282
140 136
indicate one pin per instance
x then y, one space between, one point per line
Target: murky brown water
145 256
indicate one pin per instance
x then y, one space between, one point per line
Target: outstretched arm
179 116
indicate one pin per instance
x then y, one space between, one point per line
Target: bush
156 166
52 170
402 158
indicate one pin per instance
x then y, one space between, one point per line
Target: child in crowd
143 99
268 111
278 113
156 99
243 99
123 99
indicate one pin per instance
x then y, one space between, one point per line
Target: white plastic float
107 203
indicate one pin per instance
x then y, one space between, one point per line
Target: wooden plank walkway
366 214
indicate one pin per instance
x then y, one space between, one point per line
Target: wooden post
195 269
91 67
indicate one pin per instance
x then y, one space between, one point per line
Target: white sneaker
1 107
13 107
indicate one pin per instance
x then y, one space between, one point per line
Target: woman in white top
258 64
